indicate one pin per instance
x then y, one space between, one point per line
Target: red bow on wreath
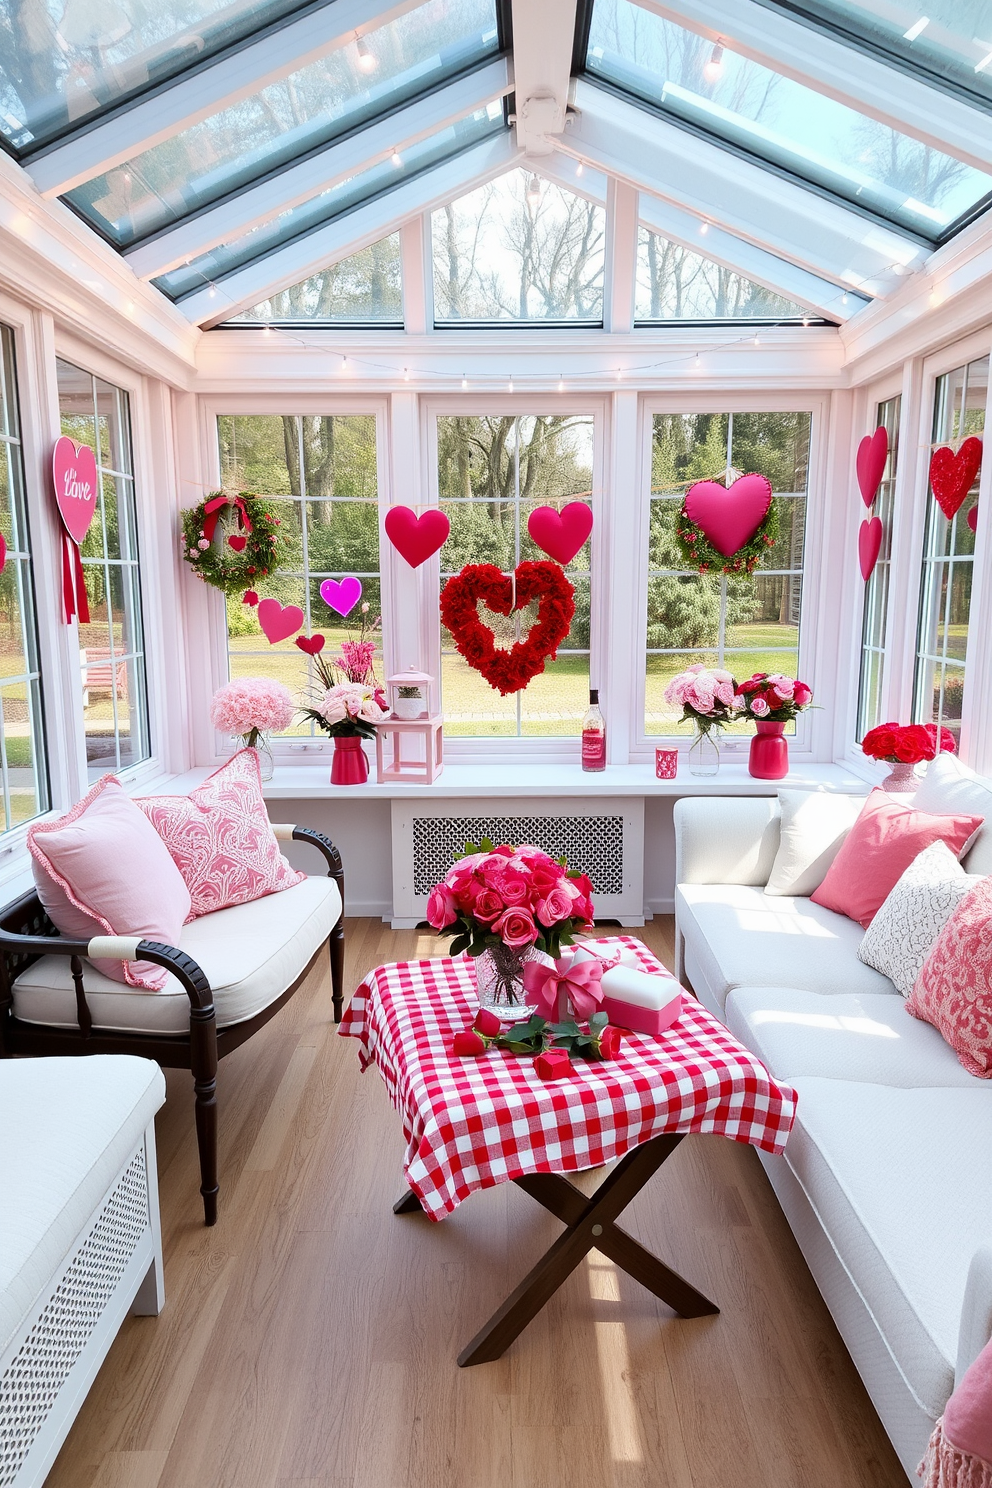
213 509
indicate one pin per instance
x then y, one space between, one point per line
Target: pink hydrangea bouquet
772 697
706 697
251 707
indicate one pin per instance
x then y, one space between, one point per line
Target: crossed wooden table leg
591 1225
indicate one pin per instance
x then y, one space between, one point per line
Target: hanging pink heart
561 534
869 544
74 474
278 623
952 475
341 594
729 516
972 520
872 454
416 538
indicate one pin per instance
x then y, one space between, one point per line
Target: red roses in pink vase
512 896
772 696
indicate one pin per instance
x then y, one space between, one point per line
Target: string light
212 291
698 361
580 169
396 158
366 61
533 191
714 67
704 228
805 320
464 384
757 339
406 374
561 384
344 365
509 386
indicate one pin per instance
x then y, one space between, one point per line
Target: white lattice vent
30 1385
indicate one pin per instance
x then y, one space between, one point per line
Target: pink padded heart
277 623
341 595
729 516
872 454
869 543
74 474
952 475
416 538
561 534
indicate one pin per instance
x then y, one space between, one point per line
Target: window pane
367 286
260 453
554 703
519 249
271 129
24 765
767 115
675 284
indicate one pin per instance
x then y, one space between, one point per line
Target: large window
319 473
960 398
23 763
364 288
746 625
870 695
674 283
492 473
111 646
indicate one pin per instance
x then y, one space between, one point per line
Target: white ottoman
80 1242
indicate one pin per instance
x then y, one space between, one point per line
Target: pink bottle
594 735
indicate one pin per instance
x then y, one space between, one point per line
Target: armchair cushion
220 838
250 954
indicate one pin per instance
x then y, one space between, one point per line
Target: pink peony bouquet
773 697
512 896
706 697
347 709
251 706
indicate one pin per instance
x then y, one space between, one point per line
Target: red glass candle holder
666 763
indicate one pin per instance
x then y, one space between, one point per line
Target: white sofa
80 1244
886 1179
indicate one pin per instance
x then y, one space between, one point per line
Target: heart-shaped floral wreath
508 671
239 563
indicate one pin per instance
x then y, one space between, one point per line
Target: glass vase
262 745
704 753
499 981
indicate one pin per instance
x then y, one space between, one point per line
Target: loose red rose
609 1042
468 1044
487 1022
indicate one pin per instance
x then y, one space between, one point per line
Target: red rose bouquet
771 697
510 896
907 743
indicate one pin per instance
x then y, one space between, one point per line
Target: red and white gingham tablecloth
473 1123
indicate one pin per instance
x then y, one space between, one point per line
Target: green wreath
700 554
232 569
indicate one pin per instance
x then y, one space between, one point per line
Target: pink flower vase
350 765
769 755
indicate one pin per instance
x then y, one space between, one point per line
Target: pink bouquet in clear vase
706 697
251 709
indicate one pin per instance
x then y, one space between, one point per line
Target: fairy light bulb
367 62
714 67
805 320
533 191
580 169
561 384
464 384
406 374
397 159
757 340
704 228
212 292
509 386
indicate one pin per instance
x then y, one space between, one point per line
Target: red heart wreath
508 671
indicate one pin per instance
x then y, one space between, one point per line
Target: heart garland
416 538
717 524
278 623
869 545
561 534
511 670
952 475
873 451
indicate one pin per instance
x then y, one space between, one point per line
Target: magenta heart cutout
3 552
561 534
74 474
729 516
416 538
341 594
971 519
872 454
277 623
869 543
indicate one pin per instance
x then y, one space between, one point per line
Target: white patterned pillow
899 938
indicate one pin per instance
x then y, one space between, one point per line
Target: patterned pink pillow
954 989
221 839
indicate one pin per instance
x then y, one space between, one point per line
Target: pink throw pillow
878 849
102 870
954 988
220 838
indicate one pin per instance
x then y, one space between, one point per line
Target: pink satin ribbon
582 984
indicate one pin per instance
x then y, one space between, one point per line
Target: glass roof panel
948 41
366 287
675 284
263 133
63 64
319 210
751 108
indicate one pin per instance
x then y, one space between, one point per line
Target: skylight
793 128
674 284
269 130
364 288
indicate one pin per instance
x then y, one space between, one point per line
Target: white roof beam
753 203
543 31
183 103
844 73
322 170
350 232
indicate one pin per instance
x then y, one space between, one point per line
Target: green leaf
459 944
598 1022
566 1030
487 845
477 947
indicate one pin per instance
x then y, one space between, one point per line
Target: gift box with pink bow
591 980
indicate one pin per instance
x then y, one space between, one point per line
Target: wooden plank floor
309 1340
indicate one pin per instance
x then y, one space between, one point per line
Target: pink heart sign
872 454
341 594
74 474
278 623
416 538
561 534
729 516
869 544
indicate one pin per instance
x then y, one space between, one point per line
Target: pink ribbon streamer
582 984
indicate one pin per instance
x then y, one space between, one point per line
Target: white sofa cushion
866 1036
250 954
902 1184
69 1127
949 788
918 906
814 824
736 935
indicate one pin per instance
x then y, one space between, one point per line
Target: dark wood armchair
27 935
